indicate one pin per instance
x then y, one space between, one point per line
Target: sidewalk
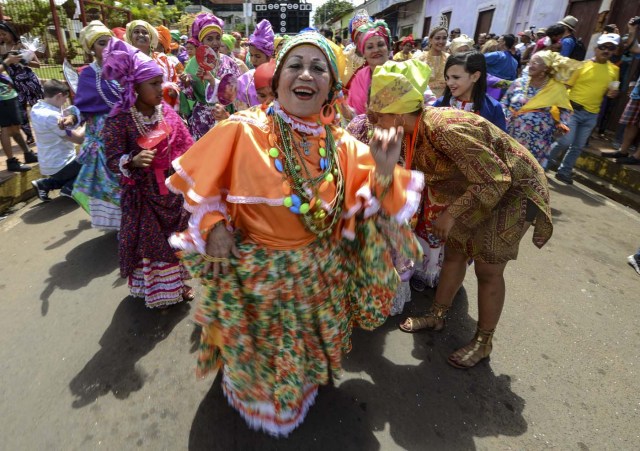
616 181
15 187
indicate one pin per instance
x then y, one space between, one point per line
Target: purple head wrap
262 38
204 24
128 66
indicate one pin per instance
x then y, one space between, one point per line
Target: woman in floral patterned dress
537 105
290 219
142 135
96 188
206 29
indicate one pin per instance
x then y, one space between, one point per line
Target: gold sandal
434 320
470 355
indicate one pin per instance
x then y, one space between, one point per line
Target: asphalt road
85 367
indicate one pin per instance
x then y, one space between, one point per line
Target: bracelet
211 259
383 180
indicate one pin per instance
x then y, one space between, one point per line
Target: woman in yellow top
436 57
406 47
290 218
489 190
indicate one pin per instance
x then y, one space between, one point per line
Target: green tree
31 17
155 12
331 10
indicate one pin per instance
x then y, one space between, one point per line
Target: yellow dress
436 63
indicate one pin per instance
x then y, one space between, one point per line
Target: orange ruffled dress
282 318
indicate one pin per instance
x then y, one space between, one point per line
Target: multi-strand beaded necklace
303 190
141 122
114 90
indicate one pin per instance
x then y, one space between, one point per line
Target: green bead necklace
317 216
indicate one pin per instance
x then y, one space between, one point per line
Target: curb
15 187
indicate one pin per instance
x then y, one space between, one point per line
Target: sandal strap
418 322
438 311
478 349
484 336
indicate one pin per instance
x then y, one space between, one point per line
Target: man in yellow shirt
587 87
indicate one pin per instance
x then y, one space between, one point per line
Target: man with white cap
587 87
568 39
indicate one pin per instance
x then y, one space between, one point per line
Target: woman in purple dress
96 188
260 51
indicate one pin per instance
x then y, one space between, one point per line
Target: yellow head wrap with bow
554 94
153 34
559 67
91 33
399 87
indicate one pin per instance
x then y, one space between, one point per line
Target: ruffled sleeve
203 179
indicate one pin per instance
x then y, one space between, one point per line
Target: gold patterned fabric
487 180
436 63
398 87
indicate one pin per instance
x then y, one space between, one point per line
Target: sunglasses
610 48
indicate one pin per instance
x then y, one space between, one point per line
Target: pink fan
228 89
159 164
155 136
206 57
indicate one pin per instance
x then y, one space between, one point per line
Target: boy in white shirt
56 147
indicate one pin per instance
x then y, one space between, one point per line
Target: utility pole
248 14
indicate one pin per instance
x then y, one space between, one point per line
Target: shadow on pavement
70 234
89 260
42 212
335 421
425 406
433 405
569 190
133 333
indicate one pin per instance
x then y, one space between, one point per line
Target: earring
327 114
93 53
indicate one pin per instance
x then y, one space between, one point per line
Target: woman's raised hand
385 146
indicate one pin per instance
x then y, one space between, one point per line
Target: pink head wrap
371 29
128 66
204 24
194 42
262 38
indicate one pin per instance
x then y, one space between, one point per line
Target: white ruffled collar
461 104
308 128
